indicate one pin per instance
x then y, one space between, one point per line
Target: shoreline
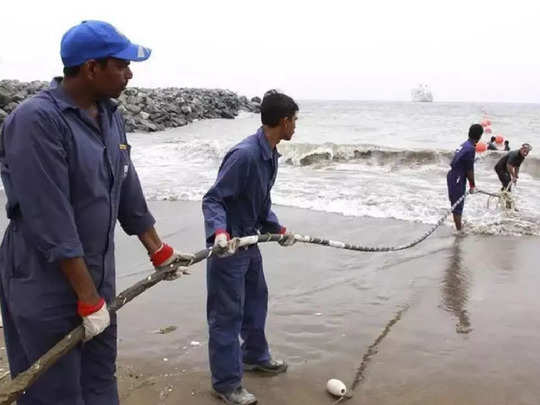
471 315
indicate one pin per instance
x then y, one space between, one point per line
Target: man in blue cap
68 177
237 205
462 169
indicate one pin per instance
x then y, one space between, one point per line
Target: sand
461 316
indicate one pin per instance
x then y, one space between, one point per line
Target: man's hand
288 238
166 257
95 317
223 245
472 190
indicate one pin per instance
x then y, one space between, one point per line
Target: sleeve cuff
211 229
65 251
271 227
138 225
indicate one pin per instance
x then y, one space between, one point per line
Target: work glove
95 318
288 238
166 257
223 244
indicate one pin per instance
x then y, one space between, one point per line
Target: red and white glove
95 318
288 238
223 244
166 256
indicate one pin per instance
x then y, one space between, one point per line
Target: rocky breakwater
149 109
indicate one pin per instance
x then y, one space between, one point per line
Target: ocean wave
315 155
306 154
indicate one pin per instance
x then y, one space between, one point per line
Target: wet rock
168 329
4 98
227 114
179 122
134 108
10 107
172 108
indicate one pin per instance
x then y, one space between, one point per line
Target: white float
336 387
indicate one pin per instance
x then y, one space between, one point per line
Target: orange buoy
499 139
481 147
487 130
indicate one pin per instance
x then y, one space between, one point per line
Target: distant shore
148 110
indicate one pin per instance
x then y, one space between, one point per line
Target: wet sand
454 320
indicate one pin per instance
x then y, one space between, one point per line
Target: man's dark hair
73 71
492 139
276 106
506 142
475 132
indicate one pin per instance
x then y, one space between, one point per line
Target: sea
361 159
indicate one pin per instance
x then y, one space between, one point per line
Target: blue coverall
67 181
239 202
462 162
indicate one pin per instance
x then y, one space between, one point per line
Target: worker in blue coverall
68 176
462 168
237 205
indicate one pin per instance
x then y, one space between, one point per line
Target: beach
453 320
461 313
361 125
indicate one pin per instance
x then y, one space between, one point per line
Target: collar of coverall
266 152
65 102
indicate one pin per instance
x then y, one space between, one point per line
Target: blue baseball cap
97 39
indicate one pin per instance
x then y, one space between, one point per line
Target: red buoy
481 147
499 139
487 130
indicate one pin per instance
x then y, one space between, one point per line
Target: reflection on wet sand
455 288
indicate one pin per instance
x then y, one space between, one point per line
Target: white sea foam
350 179
384 160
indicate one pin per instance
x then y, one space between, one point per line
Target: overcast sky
363 49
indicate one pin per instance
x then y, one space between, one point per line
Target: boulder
134 108
4 98
10 107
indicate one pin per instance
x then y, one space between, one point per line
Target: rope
12 390
349 246
504 199
16 387
268 237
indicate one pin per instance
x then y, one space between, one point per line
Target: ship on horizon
422 94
